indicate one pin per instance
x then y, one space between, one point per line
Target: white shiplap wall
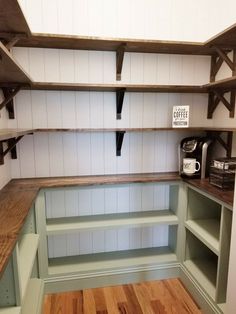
56 154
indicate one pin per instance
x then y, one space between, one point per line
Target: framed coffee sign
180 117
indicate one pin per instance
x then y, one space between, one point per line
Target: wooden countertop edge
14 210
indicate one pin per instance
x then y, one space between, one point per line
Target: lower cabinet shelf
111 261
34 297
204 271
207 231
110 221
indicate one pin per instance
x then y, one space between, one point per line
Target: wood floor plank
142 296
111 302
89 302
154 297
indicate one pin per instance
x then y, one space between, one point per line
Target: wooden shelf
225 39
27 251
111 261
58 41
207 231
205 273
190 129
6 134
116 87
12 19
110 221
34 297
10 72
224 85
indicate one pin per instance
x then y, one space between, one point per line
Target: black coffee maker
198 148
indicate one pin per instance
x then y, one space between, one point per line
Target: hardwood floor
153 297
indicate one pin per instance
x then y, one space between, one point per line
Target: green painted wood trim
69 283
40 215
207 305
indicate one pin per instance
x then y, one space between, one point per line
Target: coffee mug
190 165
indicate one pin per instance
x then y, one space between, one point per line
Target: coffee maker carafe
195 148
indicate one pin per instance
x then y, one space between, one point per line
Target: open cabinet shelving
208 232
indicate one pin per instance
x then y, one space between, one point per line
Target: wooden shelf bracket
223 55
119 102
9 94
225 143
11 147
119 61
214 99
119 141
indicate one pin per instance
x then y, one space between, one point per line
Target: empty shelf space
110 221
28 246
111 261
204 271
34 297
206 230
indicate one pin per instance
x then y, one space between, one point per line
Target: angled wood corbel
224 57
9 94
216 63
119 61
11 143
226 144
119 141
119 102
214 99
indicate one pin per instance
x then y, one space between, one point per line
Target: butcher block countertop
18 196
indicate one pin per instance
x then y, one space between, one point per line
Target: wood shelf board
224 84
61 182
12 19
28 246
34 297
10 71
225 39
207 231
111 260
204 271
190 129
6 134
11 310
110 221
59 41
115 87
